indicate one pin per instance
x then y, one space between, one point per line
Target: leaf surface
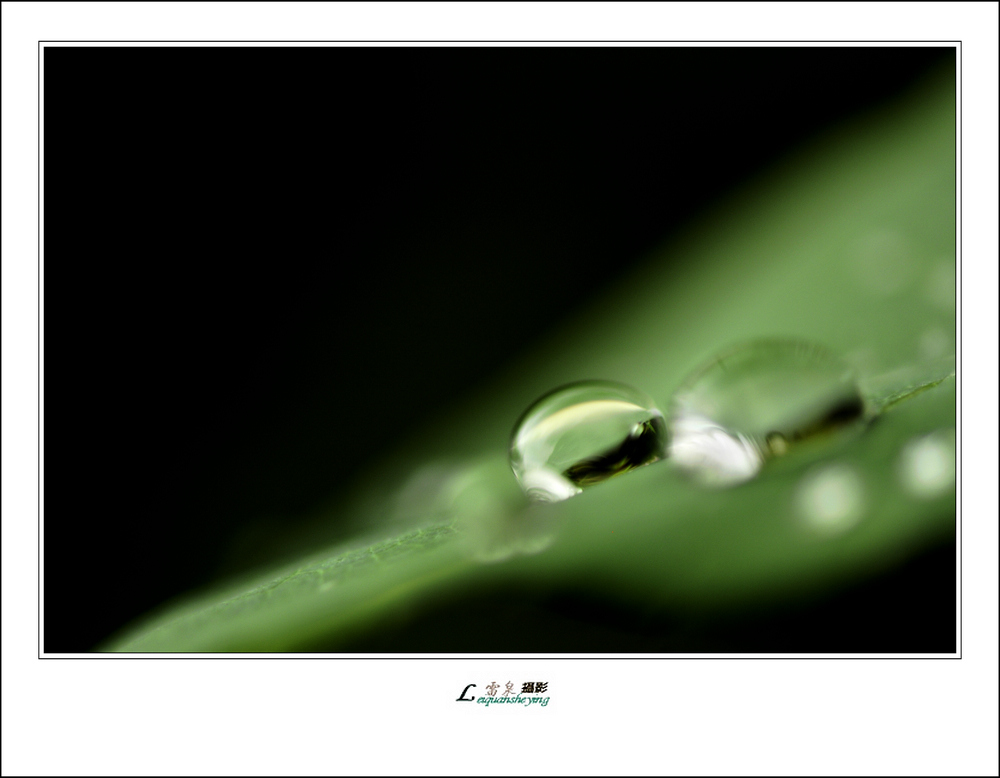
849 243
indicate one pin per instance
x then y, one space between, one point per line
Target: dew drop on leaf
581 434
756 402
927 465
831 499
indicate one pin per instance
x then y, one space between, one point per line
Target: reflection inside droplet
715 456
755 402
927 465
582 434
831 499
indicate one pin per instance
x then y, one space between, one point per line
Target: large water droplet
755 402
582 434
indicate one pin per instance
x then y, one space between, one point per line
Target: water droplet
755 402
927 465
582 434
831 499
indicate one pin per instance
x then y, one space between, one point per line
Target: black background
240 241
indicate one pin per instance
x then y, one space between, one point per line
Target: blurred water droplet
479 500
710 453
756 402
927 465
831 499
582 434
429 492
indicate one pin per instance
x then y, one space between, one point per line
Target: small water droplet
927 465
582 434
831 499
755 402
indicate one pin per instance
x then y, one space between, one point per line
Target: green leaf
849 243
